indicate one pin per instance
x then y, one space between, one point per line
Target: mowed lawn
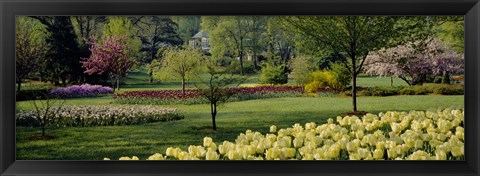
95 143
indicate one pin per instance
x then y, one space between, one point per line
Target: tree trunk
354 90
391 81
446 78
241 63
19 84
150 74
213 110
254 59
118 82
183 85
64 81
241 55
43 131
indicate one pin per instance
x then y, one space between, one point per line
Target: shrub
342 76
449 89
301 68
407 91
422 90
379 91
323 79
312 87
441 89
33 94
273 75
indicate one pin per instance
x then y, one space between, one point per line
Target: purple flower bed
84 90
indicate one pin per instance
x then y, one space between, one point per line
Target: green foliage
379 91
272 74
426 89
445 89
232 35
62 62
415 90
451 30
181 64
30 47
301 68
155 33
353 37
187 26
342 76
122 26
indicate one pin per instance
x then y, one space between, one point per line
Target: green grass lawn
379 81
94 143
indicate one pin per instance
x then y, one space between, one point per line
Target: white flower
273 129
207 141
156 156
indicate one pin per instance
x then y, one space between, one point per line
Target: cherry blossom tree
110 56
414 62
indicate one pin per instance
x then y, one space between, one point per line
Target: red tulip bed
162 97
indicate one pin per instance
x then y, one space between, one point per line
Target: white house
200 40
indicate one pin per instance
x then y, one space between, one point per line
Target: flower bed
84 90
83 116
161 97
417 135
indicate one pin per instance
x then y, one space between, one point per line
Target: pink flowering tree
414 62
110 56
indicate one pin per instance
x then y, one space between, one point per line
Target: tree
301 67
355 36
45 110
256 41
187 26
228 34
30 48
181 63
214 88
87 26
152 67
273 74
110 57
122 26
280 43
156 32
451 30
414 62
62 62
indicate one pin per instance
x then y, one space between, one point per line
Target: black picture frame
11 8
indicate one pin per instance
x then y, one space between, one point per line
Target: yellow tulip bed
414 135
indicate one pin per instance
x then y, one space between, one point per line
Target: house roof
201 34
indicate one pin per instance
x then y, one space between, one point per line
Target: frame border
11 8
